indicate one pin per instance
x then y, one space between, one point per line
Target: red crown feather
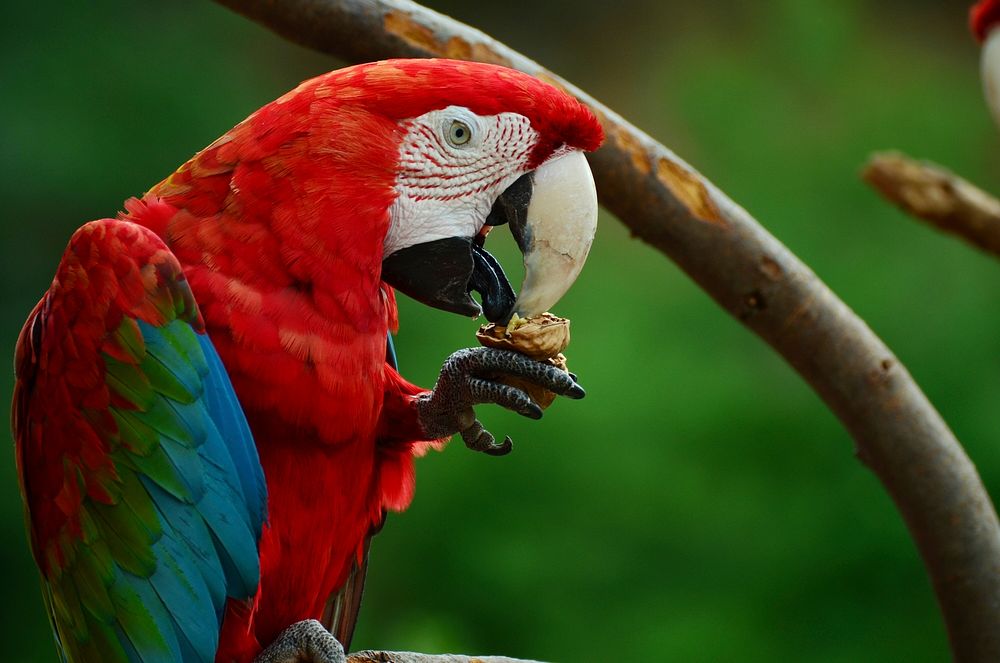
983 16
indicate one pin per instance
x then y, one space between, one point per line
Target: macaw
237 318
984 19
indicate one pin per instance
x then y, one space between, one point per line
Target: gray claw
307 641
469 377
504 395
478 438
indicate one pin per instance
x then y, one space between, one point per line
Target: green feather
129 382
137 499
68 612
137 436
176 385
128 541
162 416
168 363
159 468
144 620
129 339
184 341
92 580
102 645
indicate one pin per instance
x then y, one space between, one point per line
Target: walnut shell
542 338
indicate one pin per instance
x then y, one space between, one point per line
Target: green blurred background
701 504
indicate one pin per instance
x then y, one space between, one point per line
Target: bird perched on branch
984 19
248 298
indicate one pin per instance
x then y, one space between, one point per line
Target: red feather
983 16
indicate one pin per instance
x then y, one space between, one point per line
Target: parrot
209 423
984 18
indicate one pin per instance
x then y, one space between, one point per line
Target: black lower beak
435 273
443 272
492 285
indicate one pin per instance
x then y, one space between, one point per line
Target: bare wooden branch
937 195
665 202
410 657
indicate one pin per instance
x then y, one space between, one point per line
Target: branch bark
410 657
938 196
666 203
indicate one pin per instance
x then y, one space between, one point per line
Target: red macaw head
483 146
983 17
478 146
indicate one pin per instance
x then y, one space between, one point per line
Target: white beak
560 227
990 68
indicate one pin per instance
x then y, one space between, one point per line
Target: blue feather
179 584
184 523
235 542
225 410
390 352
208 547
130 651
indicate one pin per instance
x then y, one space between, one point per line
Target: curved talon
473 434
501 449
478 438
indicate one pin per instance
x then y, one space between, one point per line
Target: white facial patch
990 66
453 165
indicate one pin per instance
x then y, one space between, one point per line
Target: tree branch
938 196
410 657
665 202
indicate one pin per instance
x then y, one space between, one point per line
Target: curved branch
756 279
410 657
938 196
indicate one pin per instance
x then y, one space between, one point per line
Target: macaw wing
142 488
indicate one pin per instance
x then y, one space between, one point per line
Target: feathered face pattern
453 165
467 133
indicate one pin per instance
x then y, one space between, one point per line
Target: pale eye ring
459 133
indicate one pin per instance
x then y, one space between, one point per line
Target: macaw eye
459 133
